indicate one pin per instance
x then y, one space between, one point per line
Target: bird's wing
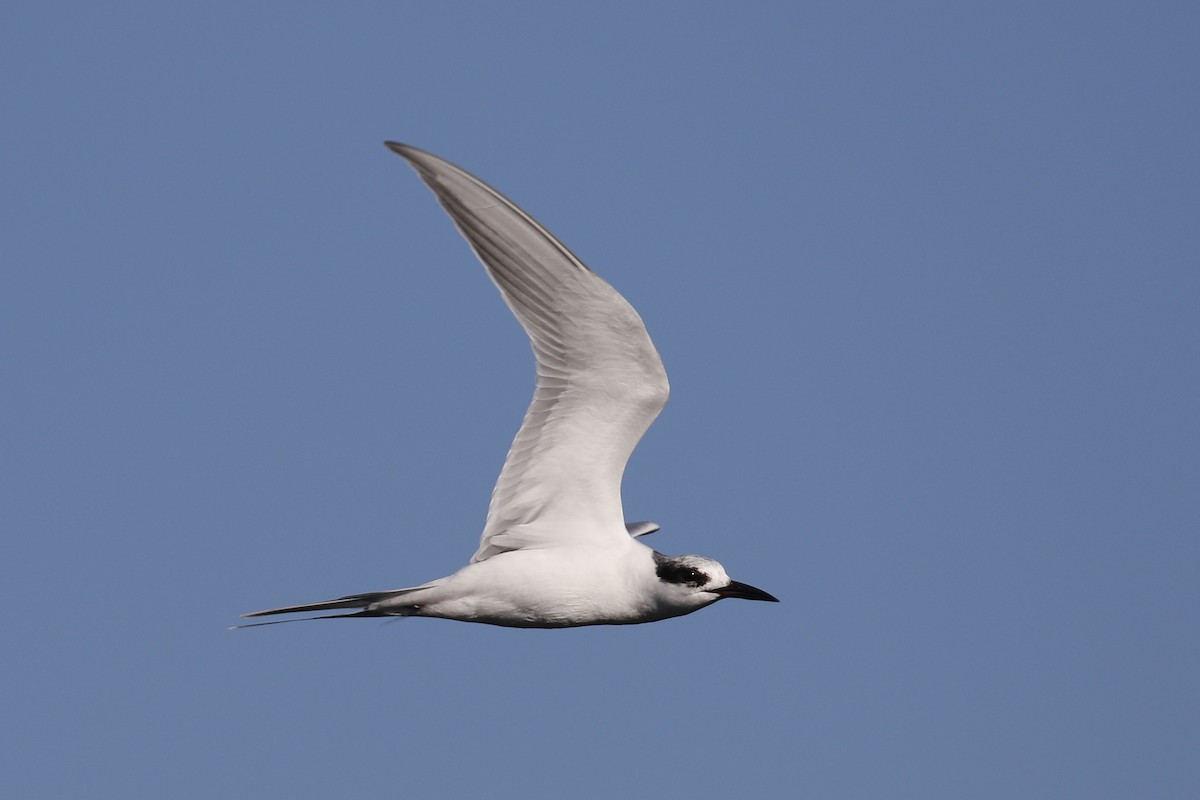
600 382
637 529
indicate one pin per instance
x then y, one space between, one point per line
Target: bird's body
546 589
556 551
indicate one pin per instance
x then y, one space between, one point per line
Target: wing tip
397 147
413 155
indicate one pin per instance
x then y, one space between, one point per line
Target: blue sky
924 277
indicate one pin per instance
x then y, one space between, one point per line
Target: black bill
745 591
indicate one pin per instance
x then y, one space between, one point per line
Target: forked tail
366 602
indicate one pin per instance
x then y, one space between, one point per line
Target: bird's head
697 581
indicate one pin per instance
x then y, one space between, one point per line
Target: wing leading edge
599 380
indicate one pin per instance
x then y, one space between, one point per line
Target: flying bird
556 551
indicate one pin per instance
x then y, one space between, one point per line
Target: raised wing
600 382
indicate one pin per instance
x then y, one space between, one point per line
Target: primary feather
600 381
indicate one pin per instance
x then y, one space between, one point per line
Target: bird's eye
672 571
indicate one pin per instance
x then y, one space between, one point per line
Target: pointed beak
745 591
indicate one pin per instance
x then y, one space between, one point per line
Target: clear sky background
925 278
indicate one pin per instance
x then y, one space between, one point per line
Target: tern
556 551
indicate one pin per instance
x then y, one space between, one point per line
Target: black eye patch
674 571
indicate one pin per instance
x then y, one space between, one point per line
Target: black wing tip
407 151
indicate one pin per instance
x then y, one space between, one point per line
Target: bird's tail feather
362 601
309 619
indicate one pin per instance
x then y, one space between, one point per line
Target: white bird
556 551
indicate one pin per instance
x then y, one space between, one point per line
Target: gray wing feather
637 529
599 380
